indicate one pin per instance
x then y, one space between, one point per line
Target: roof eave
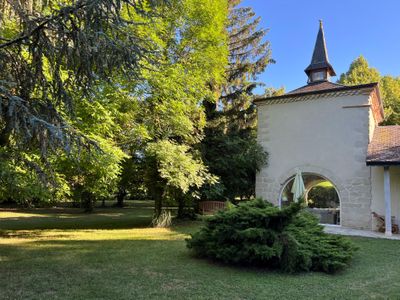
345 88
383 163
320 67
378 92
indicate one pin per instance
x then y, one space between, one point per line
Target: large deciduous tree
195 55
360 72
87 85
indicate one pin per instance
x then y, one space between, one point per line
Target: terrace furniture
381 223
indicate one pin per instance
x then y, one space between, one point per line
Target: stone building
331 133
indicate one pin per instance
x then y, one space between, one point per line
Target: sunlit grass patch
108 257
20 236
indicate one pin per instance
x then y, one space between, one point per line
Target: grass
112 254
71 218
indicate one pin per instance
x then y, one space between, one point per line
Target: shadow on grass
73 219
164 268
29 234
107 269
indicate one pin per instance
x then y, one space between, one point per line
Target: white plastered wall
378 201
319 136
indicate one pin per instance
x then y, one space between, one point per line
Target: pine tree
249 55
230 148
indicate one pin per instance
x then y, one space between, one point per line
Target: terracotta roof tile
384 148
319 86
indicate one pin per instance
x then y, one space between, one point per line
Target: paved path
356 232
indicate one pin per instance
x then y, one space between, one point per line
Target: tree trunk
87 201
181 207
121 196
157 207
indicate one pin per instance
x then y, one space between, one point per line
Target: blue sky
352 27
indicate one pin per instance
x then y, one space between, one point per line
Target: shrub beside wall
259 234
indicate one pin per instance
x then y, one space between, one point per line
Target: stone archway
321 197
328 193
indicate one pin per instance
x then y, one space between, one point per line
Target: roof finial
319 60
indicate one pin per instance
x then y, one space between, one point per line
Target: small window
318 76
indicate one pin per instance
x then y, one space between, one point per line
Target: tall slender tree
249 55
194 53
230 148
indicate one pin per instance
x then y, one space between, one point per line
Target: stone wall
322 137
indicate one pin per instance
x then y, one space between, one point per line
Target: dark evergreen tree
230 148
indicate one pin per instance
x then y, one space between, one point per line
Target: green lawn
112 254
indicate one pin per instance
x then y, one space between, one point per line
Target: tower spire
320 69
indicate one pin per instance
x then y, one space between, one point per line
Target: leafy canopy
360 72
87 84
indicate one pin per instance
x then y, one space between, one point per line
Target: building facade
331 132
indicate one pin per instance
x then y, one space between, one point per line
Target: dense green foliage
235 159
259 234
323 197
360 72
229 148
194 55
60 113
110 105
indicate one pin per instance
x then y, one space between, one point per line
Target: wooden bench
210 207
381 223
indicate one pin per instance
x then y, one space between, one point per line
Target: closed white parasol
298 188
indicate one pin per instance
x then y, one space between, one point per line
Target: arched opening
321 196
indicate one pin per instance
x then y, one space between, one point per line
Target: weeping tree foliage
56 60
230 148
360 72
88 85
49 50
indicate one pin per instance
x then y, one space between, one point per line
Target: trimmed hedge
258 234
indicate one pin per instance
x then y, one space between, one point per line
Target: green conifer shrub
258 234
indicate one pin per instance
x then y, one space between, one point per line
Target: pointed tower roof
320 59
